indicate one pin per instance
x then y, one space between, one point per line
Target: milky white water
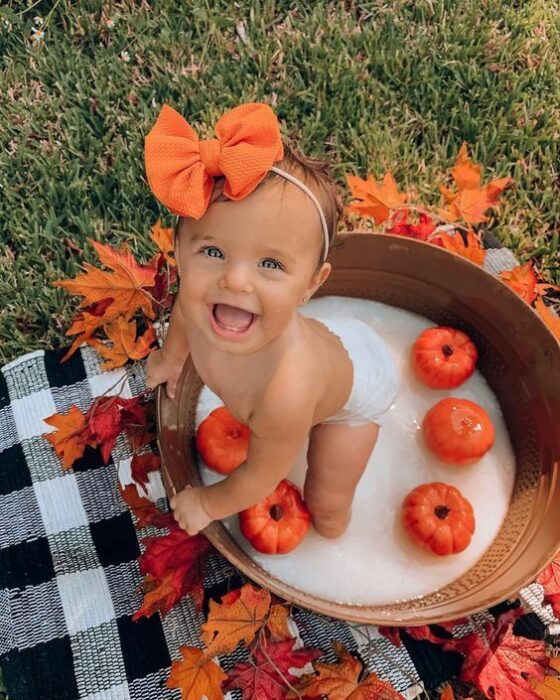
374 562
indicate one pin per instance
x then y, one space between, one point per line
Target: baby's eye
211 251
275 265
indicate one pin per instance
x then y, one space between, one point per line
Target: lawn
377 85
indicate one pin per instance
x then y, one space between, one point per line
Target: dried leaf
522 279
178 553
501 664
142 465
163 238
377 200
549 318
267 676
144 509
549 688
341 681
71 436
549 577
125 345
237 618
473 251
128 285
401 226
471 201
105 423
277 623
196 676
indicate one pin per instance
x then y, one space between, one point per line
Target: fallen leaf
549 688
142 465
235 619
501 664
144 510
164 239
341 681
124 343
401 226
105 423
471 201
128 285
196 675
267 675
522 279
377 200
549 578
71 436
549 318
277 622
473 251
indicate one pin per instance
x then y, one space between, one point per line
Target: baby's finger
173 502
171 389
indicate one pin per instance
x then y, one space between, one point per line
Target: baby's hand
188 510
160 370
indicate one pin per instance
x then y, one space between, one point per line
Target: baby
251 243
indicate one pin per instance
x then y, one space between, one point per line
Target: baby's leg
337 457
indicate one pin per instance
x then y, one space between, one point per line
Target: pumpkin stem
442 512
234 433
276 512
447 350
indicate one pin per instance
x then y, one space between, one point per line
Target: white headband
313 198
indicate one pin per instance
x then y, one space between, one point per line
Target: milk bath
374 562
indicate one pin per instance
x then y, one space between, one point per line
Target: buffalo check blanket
69 577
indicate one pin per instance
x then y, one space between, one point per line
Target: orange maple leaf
128 285
143 508
340 681
522 279
163 238
125 345
160 595
196 675
237 618
549 688
277 623
471 200
473 251
71 436
549 318
377 200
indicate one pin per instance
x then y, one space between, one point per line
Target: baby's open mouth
232 318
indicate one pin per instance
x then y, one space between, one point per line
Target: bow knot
181 169
209 155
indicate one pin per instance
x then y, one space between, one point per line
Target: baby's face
258 256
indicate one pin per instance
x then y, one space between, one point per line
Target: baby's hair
316 174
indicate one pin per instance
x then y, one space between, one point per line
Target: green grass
378 85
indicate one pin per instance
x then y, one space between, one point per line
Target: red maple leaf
502 664
143 464
175 565
144 509
105 423
549 578
265 676
137 421
401 225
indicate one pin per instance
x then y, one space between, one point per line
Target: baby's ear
322 275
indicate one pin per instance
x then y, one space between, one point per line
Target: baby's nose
237 278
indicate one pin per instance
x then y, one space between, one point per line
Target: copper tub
519 358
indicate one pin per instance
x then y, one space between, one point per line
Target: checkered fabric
68 561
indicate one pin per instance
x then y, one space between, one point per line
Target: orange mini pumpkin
443 357
222 441
438 517
458 431
279 523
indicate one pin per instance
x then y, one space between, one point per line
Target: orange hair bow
181 168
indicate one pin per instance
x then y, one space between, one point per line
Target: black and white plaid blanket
68 561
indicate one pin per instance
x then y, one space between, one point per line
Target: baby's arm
276 439
165 364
